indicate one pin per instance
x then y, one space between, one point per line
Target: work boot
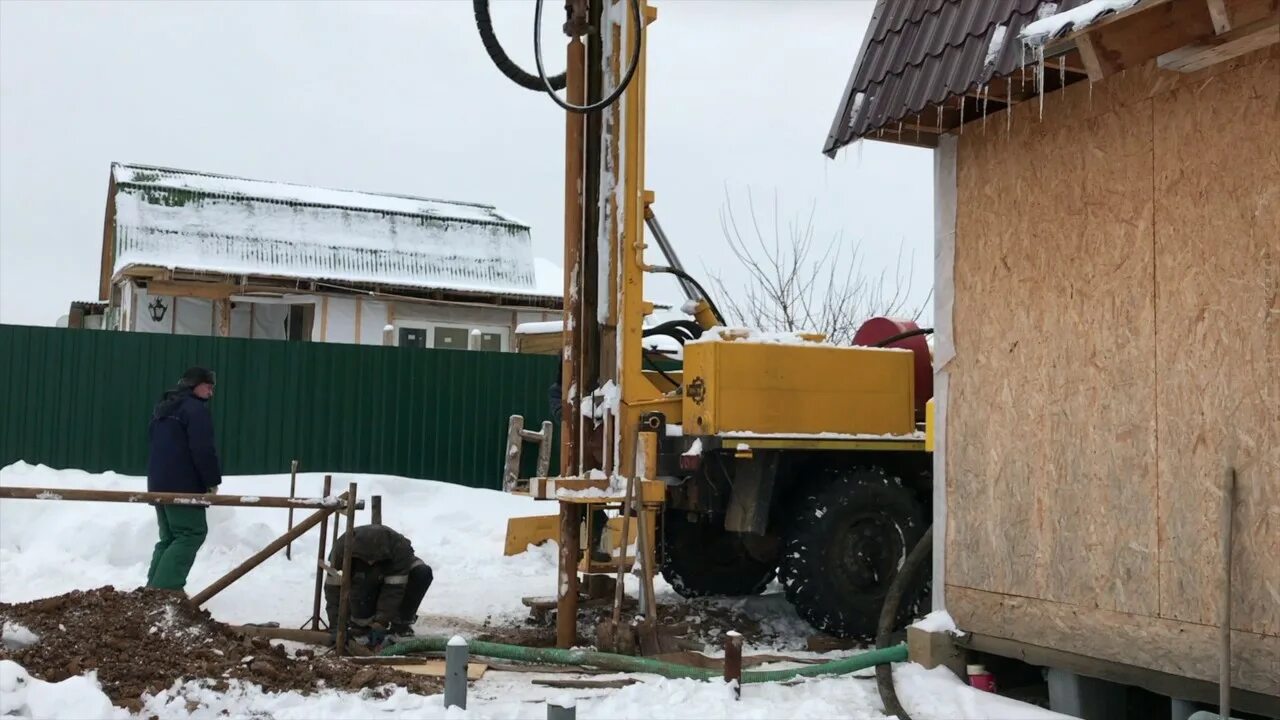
401 628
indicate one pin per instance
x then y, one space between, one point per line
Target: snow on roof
217 223
1057 24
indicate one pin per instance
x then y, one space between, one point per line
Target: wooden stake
324 535
344 593
258 558
1225 523
293 490
733 662
567 581
375 515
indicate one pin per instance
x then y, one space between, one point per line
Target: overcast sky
401 97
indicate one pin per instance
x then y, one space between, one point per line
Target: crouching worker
388 583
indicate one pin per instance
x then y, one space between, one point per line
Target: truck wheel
845 539
702 558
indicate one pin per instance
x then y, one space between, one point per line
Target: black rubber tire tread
824 597
702 559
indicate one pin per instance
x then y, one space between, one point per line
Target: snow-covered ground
49 548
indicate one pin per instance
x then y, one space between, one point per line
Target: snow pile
76 698
50 548
1056 25
14 636
937 621
777 337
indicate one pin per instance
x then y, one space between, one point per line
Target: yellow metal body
771 388
929 425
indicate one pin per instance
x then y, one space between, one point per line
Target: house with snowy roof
197 253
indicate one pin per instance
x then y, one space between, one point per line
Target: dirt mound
146 640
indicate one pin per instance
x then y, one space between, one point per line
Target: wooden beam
1135 36
1218 13
1161 683
209 291
1089 56
1220 48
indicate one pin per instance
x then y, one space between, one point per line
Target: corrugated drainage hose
628 663
889 612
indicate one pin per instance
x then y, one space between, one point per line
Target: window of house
449 337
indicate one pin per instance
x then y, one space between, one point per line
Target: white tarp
269 321
144 320
373 318
340 320
194 316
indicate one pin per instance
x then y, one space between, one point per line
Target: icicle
1062 72
939 119
982 93
1040 77
1090 93
962 99
1008 110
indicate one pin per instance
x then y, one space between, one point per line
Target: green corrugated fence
82 399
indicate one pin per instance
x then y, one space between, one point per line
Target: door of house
413 337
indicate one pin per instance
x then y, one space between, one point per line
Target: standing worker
388 582
182 459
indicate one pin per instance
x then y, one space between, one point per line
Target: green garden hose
631 664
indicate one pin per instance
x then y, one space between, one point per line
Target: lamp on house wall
158 309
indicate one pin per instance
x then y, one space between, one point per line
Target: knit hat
195 376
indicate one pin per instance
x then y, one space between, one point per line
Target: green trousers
182 532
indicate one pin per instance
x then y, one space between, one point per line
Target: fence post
733 662
344 593
293 490
562 708
455 672
515 442
375 511
324 535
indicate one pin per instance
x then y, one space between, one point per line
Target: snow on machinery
764 455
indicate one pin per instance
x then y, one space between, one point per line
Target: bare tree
797 283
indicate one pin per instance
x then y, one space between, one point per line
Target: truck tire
845 538
702 558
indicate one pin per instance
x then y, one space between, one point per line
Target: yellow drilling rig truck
763 455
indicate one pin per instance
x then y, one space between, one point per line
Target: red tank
879 329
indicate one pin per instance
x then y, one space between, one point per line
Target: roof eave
835 137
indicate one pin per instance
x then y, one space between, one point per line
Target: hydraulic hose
903 336
889 612
636 19
628 663
499 56
686 276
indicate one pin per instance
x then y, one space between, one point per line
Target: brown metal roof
918 53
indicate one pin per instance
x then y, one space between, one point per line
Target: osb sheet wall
1117 332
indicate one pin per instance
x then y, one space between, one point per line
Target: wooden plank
435 668
1134 36
585 684
1169 646
1220 48
1173 686
196 499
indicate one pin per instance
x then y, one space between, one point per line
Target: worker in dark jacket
182 459
388 582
